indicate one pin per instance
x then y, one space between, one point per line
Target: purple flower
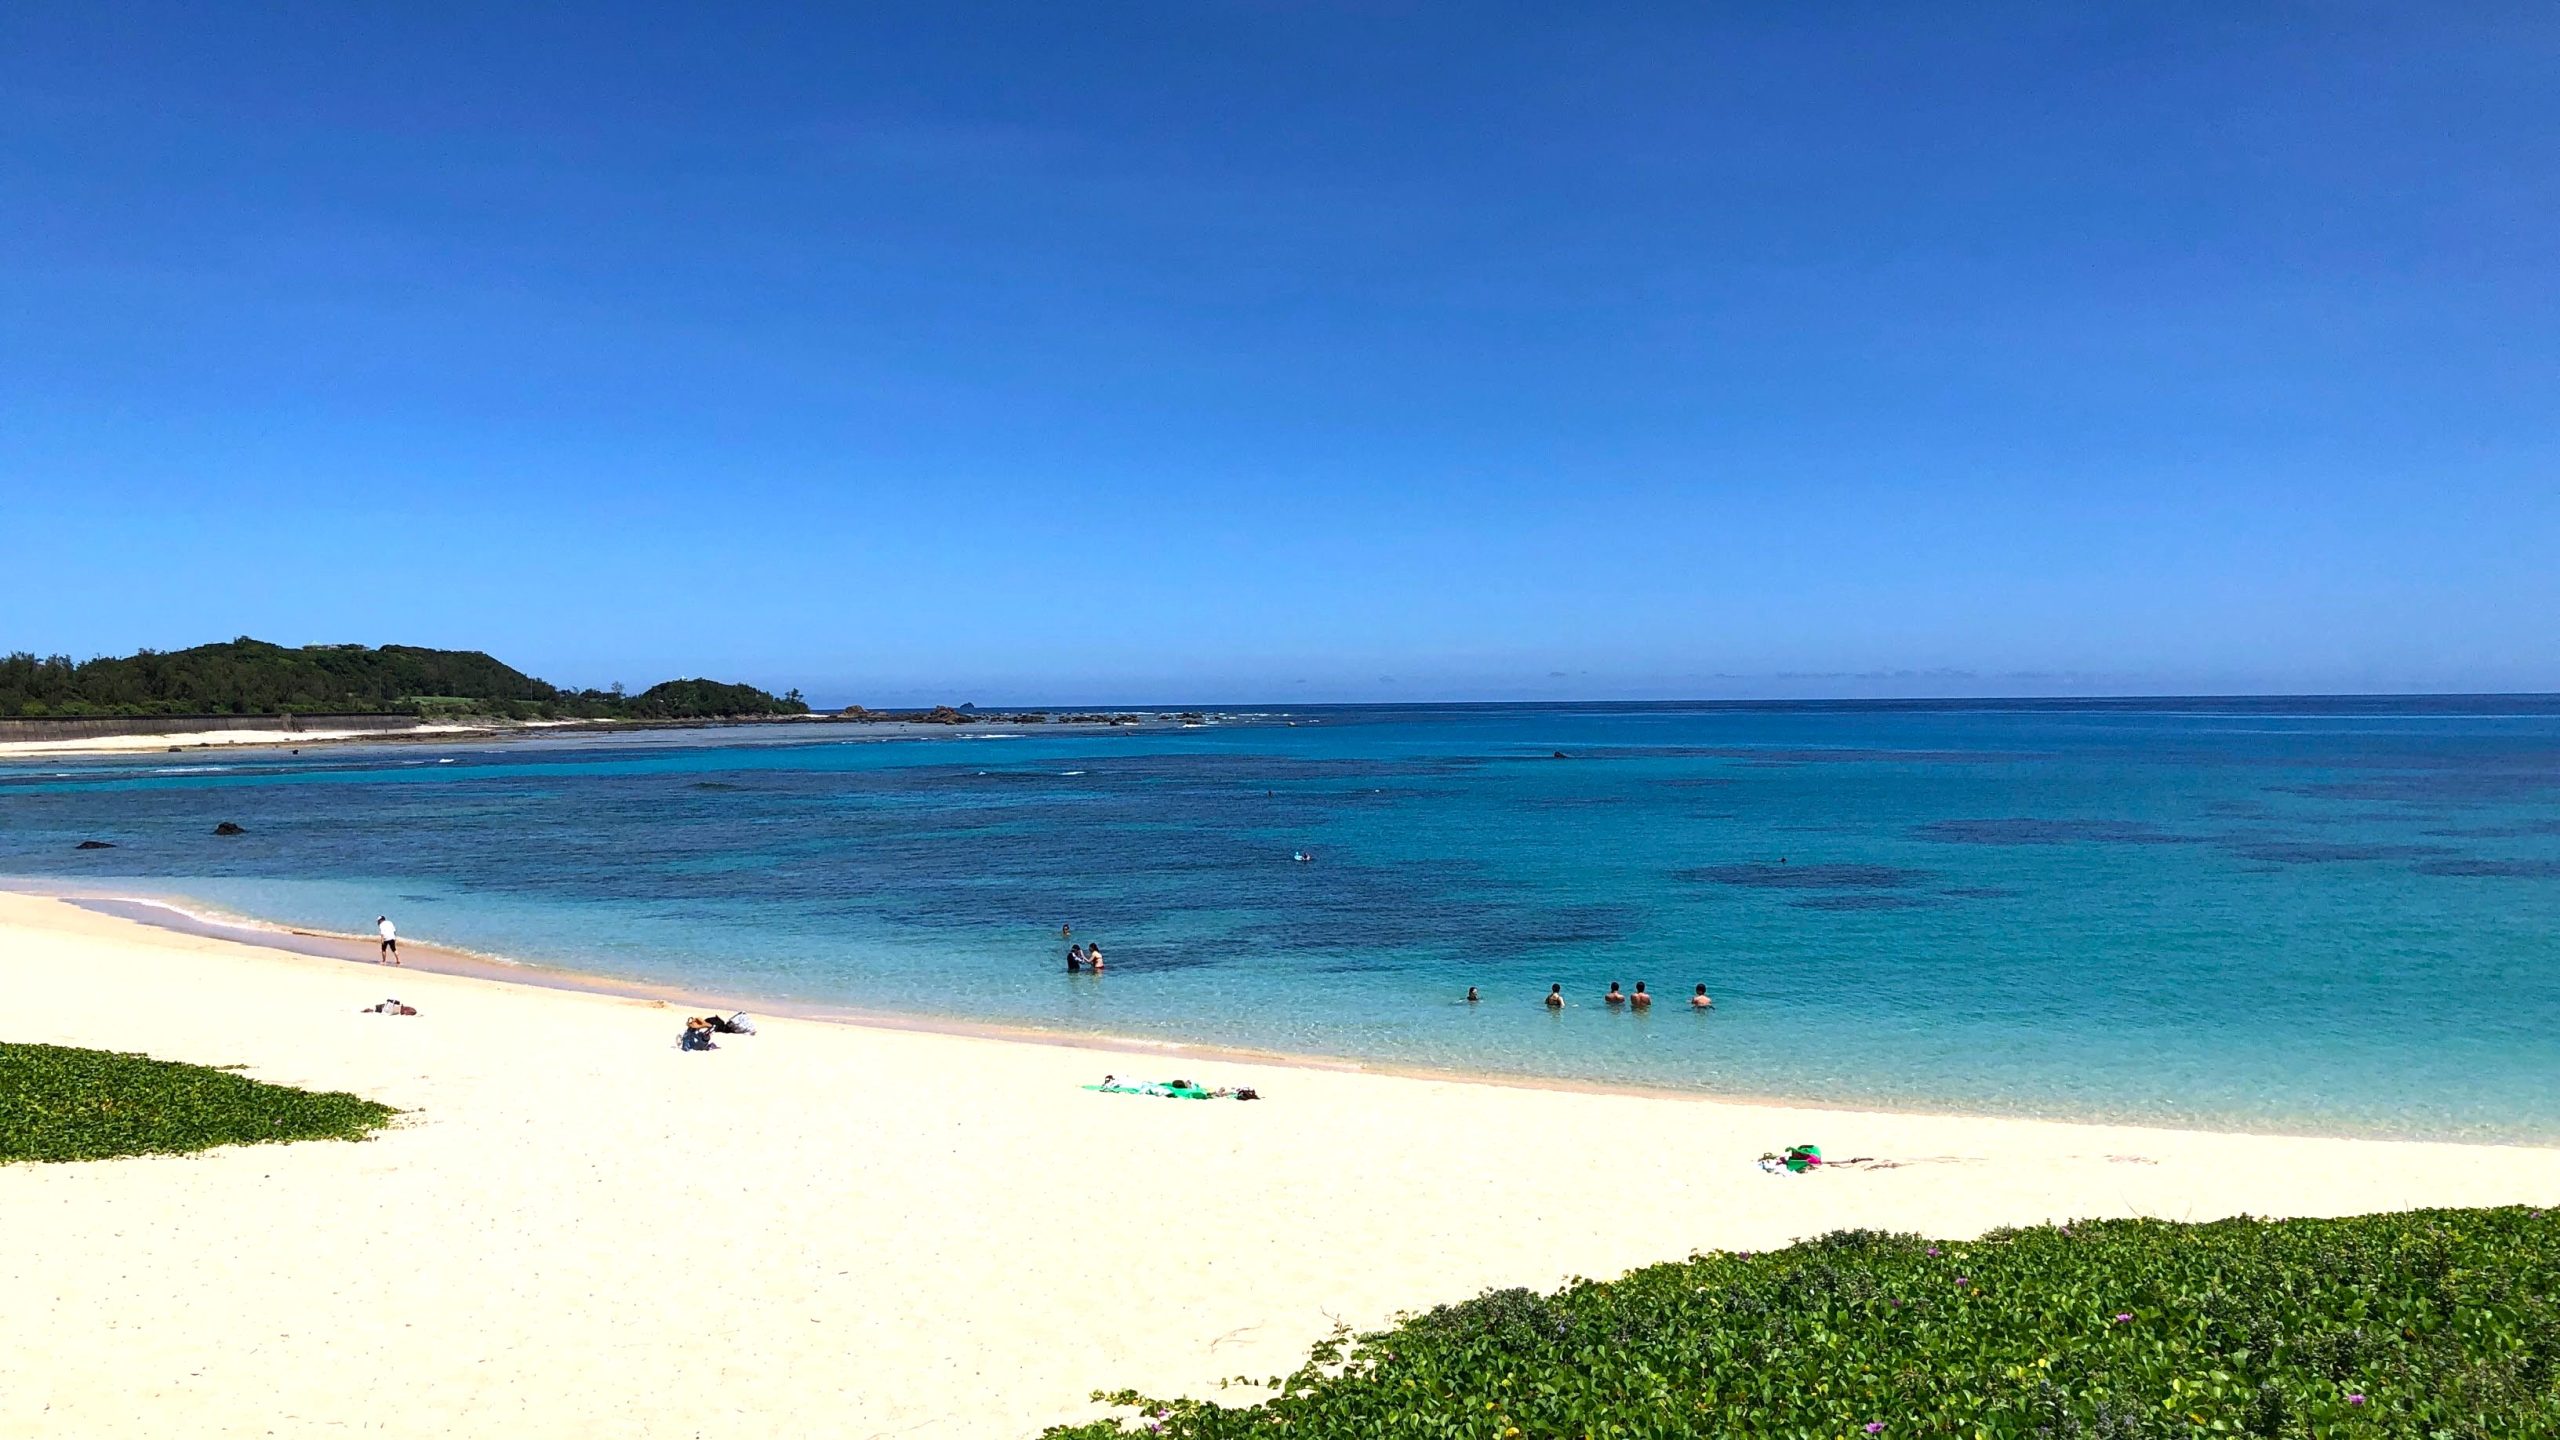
1875 1427
1933 1252
1960 1280
1897 1304
2355 1399
2123 1315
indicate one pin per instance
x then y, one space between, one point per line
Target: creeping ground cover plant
2434 1325
61 1104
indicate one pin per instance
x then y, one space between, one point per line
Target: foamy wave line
231 920
205 914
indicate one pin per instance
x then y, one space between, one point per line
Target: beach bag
739 1024
408 1010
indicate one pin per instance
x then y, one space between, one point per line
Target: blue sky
1133 352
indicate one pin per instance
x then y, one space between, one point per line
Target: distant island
252 677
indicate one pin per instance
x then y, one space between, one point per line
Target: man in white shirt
390 940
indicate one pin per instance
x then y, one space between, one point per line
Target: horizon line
2200 697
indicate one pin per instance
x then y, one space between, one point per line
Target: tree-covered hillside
252 677
686 699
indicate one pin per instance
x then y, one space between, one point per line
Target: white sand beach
144 744
833 1230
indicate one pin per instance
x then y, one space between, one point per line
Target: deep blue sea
2338 916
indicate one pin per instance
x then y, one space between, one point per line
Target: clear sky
1080 353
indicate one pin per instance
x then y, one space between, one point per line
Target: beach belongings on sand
1146 1087
698 1030
1797 1159
1170 1089
389 1007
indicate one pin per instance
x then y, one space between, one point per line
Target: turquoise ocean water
2324 916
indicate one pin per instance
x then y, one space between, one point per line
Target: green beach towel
1795 1160
1170 1092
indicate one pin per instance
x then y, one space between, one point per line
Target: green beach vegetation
2443 1324
58 1103
252 677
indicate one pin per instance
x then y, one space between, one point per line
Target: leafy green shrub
63 1104
2443 1324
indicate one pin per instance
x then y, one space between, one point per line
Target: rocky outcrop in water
95 845
227 828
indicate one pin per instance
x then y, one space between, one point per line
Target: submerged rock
227 828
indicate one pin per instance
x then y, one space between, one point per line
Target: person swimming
1614 997
1700 1001
1640 1000
1472 996
1555 997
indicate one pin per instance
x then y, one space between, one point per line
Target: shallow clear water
2284 914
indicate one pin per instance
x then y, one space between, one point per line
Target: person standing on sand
390 940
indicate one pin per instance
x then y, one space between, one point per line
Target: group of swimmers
1638 1001
1082 958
